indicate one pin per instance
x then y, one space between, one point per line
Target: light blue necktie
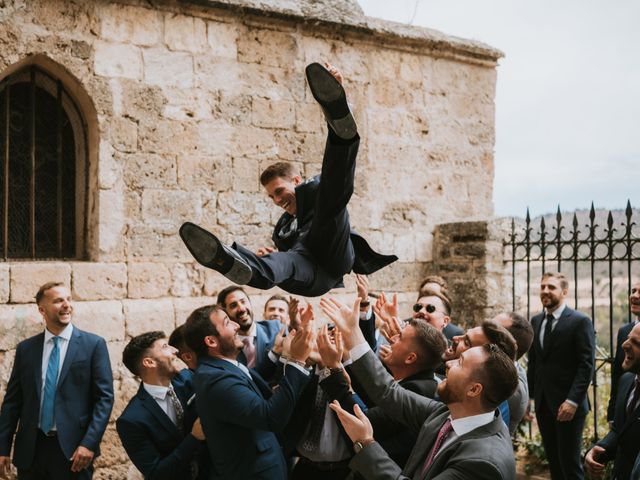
49 391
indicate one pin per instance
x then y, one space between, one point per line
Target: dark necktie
444 432
47 415
318 414
177 407
631 406
547 331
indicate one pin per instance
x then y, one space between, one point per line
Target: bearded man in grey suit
463 437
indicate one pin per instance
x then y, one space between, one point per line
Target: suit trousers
562 442
50 463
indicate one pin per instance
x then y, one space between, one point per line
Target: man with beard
623 333
316 246
59 396
622 443
158 428
277 308
561 363
459 438
240 413
257 337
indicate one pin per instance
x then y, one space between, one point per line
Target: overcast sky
568 95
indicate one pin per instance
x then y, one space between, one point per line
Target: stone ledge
350 17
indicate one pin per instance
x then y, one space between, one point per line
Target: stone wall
186 102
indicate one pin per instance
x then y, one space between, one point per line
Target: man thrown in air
315 243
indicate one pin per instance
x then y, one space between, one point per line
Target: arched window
42 168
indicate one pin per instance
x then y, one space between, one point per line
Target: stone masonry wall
186 103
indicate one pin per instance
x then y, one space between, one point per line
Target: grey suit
518 401
483 453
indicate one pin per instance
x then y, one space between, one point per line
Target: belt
326 466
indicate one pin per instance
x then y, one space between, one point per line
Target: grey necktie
177 406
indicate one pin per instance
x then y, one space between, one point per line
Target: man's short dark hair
430 344
498 376
177 340
277 296
522 332
198 326
426 292
225 292
137 348
278 169
564 283
43 289
500 337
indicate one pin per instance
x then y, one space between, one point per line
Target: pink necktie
249 350
444 432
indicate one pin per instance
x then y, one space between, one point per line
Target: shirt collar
464 425
156 391
558 311
66 333
241 366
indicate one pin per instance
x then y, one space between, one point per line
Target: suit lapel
149 403
562 323
623 395
37 365
537 325
261 341
426 439
72 350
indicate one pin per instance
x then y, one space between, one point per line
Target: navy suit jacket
563 369
240 416
154 443
616 368
266 331
84 397
622 441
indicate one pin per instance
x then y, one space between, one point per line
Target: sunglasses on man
428 307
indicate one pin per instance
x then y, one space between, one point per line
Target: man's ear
475 390
148 362
411 358
297 180
211 341
446 319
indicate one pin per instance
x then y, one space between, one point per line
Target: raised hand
390 328
385 309
334 71
302 343
345 318
330 348
362 286
357 426
384 351
306 315
278 342
294 312
262 251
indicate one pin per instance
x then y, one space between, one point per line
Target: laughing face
631 347
473 337
238 307
56 308
634 299
282 191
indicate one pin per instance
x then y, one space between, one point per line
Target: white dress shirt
556 315
159 394
462 426
63 345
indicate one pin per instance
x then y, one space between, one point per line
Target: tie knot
55 340
550 317
247 341
447 426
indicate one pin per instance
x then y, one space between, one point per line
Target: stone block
237 208
273 113
155 243
222 39
184 306
112 222
111 450
118 60
141 101
307 117
130 24
27 277
213 283
185 33
148 280
204 171
187 105
168 136
216 73
217 139
115 357
110 168
104 318
150 170
246 176
170 207
4 283
268 47
187 280
18 322
99 281
6 365
166 68
123 133
147 315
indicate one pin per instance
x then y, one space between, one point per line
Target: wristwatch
359 446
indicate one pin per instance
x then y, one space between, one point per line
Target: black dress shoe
330 95
210 252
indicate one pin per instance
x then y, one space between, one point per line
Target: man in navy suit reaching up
158 428
59 396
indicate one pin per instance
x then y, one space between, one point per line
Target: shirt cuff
299 367
366 315
272 356
571 402
358 351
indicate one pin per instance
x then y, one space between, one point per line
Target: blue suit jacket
616 368
152 440
239 417
622 442
266 331
563 369
84 397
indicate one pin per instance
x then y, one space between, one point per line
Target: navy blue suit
239 416
266 331
154 443
84 398
616 367
622 443
560 371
